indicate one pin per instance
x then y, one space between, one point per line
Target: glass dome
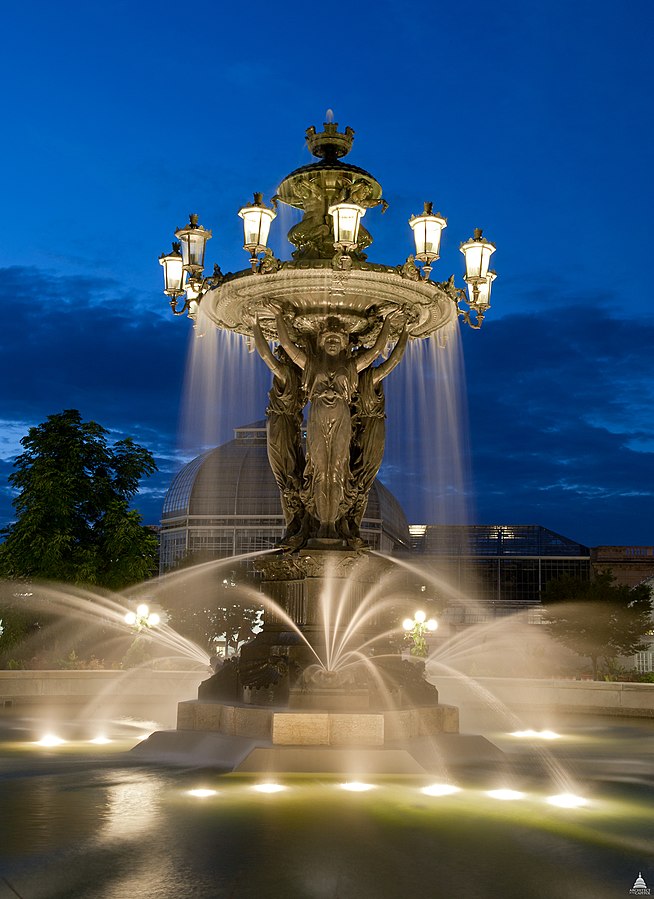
226 502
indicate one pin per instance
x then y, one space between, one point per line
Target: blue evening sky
533 120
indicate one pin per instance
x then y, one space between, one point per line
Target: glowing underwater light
268 788
202 793
536 734
567 800
356 786
440 790
505 795
50 740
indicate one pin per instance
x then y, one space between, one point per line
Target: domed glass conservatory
226 502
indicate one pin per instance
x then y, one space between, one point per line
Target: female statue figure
284 431
330 378
370 430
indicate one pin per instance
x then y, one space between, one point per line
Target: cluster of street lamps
183 267
416 630
142 618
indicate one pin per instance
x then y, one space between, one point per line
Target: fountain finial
330 144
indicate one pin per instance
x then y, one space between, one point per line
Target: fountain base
278 703
257 738
317 727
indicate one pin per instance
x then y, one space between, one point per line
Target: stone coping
129 682
583 696
586 696
284 727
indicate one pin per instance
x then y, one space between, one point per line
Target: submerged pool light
356 786
505 795
567 800
50 740
440 790
268 787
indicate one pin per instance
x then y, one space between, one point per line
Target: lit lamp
193 290
193 239
416 632
478 252
173 272
427 230
143 617
482 293
347 218
256 226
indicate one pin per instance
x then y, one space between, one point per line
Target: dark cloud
560 405
562 423
72 342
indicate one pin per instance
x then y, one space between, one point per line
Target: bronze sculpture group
324 490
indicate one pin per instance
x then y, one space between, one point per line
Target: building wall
630 565
497 569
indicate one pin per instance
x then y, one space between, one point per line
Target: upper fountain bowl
360 297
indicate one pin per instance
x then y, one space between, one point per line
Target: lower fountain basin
315 727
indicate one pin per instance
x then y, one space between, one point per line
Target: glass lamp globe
427 231
173 272
193 239
256 225
479 291
346 218
477 252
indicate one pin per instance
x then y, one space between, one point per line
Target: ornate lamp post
416 630
256 225
333 312
142 618
427 230
346 218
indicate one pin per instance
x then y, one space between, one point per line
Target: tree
73 522
598 619
212 605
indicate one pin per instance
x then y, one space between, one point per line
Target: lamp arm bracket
175 310
465 315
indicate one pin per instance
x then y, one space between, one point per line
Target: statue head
332 338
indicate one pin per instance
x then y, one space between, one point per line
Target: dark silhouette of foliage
599 618
73 521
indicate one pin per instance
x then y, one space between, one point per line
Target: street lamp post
416 630
142 618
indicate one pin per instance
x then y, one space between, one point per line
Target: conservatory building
226 502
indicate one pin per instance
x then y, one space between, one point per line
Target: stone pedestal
291 691
304 583
316 727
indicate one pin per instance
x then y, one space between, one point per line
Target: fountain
82 822
340 325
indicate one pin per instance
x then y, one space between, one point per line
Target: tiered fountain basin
318 727
258 739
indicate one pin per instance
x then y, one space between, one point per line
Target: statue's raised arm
367 357
263 348
383 370
295 353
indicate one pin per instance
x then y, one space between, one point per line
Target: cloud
561 404
74 342
562 422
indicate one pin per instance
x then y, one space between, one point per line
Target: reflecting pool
80 820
